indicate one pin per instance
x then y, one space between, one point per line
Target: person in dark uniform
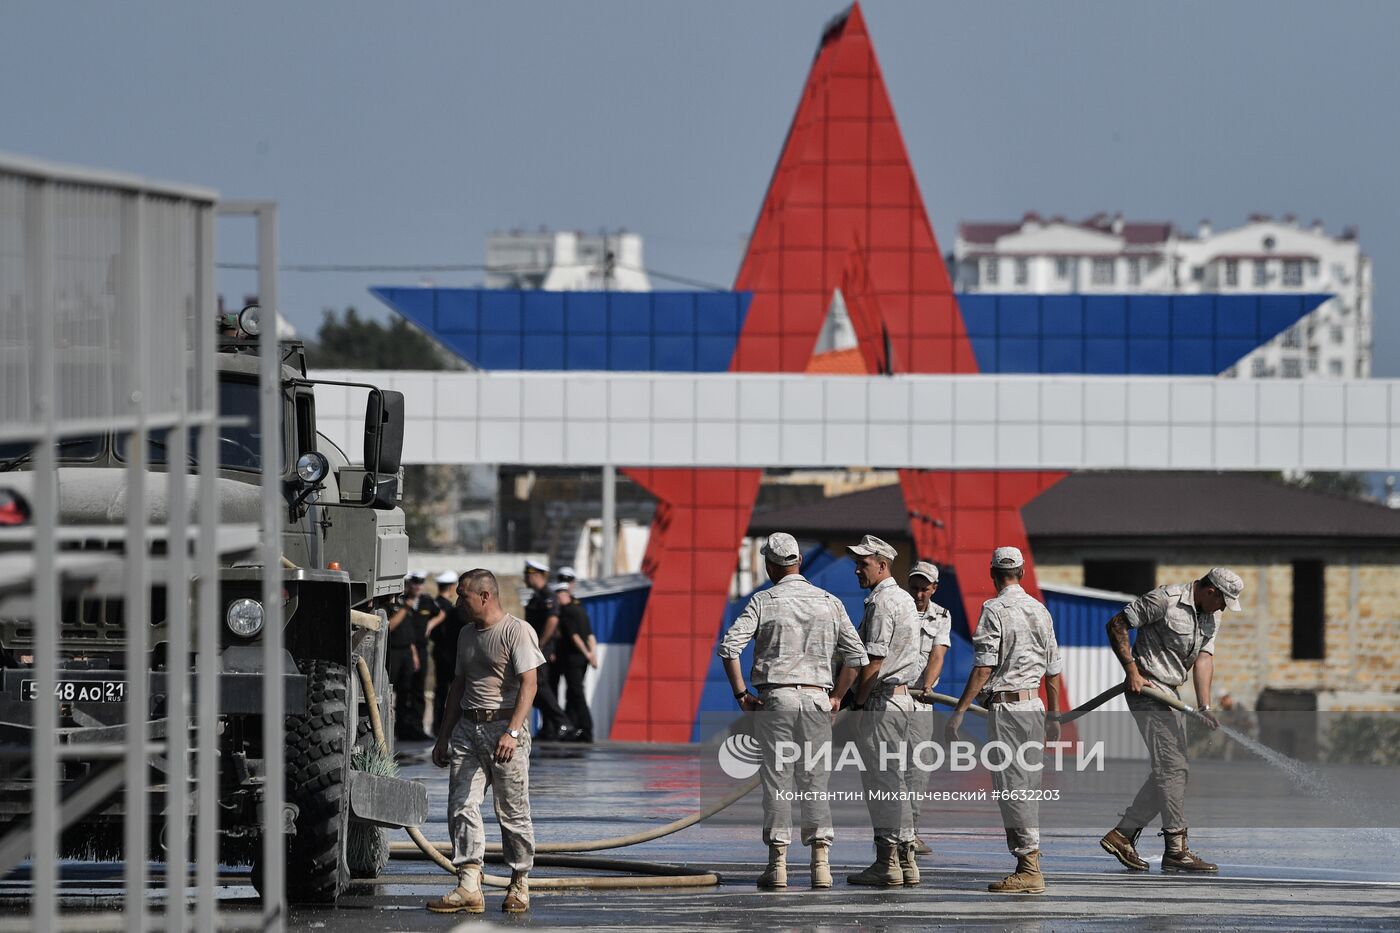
425 615
443 643
577 652
401 658
542 614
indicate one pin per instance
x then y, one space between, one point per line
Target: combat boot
908 851
517 895
1122 845
466 898
884 872
1027 878
821 866
1178 858
775 875
921 847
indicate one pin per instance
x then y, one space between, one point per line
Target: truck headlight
244 617
312 467
250 320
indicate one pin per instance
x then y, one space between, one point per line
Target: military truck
344 555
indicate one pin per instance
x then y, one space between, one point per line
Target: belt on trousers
796 687
890 691
1013 696
485 715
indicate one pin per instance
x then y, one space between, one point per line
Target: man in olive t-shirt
484 740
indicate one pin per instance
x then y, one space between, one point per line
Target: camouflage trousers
801 716
884 726
1019 724
472 769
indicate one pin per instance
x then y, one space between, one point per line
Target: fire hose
656 875
653 874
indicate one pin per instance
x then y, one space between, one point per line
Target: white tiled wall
969 422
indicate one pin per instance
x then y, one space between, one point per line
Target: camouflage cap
1229 584
781 549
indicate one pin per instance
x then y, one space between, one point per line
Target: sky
406 133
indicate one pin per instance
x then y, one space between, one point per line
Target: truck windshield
239 444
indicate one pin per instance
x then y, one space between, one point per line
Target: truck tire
318 768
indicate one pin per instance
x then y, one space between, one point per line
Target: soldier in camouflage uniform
935 637
890 629
800 632
1014 648
1176 628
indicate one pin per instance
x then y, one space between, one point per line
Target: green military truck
344 557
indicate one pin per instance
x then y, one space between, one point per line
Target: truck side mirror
384 432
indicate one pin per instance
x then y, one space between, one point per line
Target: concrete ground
1270 879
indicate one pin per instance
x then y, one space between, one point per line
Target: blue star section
505 329
1134 335
696 332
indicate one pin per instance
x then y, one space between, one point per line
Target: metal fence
107 331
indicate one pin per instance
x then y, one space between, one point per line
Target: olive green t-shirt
491 660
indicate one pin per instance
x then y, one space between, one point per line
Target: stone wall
1254 648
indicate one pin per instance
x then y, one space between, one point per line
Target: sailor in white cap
800 633
442 639
1014 649
542 613
890 629
935 637
1176 626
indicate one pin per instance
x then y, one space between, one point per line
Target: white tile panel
1106 401
974 445
1280 446
889 444
1324 403
1193 401
1235 401
629 443
888 400
1365 447
760 399
543 398
974 401
673 400
629 399
1149 401
800 399
845 399
500 398
716 398
585 442
1324 446
801 443
586 396
1149 446
673 443
1236 447
1062 401
1060 422
499 441
930 445
932 400
759 443
1367 403
1018 445
1105 444
1280 402
716 444
417 389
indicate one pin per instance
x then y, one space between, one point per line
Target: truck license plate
78 691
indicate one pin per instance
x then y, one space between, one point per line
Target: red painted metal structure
843 210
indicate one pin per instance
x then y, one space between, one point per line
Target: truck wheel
317 778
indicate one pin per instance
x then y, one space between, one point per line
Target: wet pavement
1272 879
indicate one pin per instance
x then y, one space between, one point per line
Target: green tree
349 341
1346 485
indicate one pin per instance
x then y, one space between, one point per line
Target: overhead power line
419 268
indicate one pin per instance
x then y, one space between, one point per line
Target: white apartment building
1105 254
561 261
